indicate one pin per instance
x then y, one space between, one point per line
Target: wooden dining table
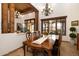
46 45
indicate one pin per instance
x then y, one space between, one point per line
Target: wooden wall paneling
36 21
77 40
12 10
4 18
42 26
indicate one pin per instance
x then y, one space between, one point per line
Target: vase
44 35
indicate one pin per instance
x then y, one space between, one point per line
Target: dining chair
56 47
60 41
28 37
38 34
54 50
36 51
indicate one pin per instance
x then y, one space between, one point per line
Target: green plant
51 33
27 30
72 35
45 33
73 32
72 29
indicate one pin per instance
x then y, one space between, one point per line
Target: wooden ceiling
24 7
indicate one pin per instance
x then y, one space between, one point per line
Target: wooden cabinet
77 40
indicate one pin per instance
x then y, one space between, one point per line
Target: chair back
34 37
56 46
37 33
55 51
56 43
28 35
60 39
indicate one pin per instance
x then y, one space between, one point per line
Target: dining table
46 45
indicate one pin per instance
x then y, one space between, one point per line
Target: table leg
27 48
49 53
24 50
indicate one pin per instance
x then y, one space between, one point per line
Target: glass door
55 25
30 24
45 26
52 26
61 26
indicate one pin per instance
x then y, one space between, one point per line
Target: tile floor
67 49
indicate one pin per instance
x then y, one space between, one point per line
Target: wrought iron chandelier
17 14
47 10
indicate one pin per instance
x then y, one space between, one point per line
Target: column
4 18
11 20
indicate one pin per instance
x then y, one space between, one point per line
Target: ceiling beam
34 8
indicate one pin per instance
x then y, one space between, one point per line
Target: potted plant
51 33
72 29
73 34
28 31
45 33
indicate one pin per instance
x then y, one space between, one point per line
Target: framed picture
75 23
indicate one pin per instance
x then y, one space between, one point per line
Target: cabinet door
45 26
52 26
78 41
61 26
30 24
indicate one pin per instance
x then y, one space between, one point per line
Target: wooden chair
31 36
56 47
38 34
55 50
60 40
28 36
36 51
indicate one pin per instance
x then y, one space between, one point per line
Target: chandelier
17 14
47 10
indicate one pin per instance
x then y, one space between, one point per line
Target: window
30 24
56 25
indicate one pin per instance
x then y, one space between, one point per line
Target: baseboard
66 41
13 51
